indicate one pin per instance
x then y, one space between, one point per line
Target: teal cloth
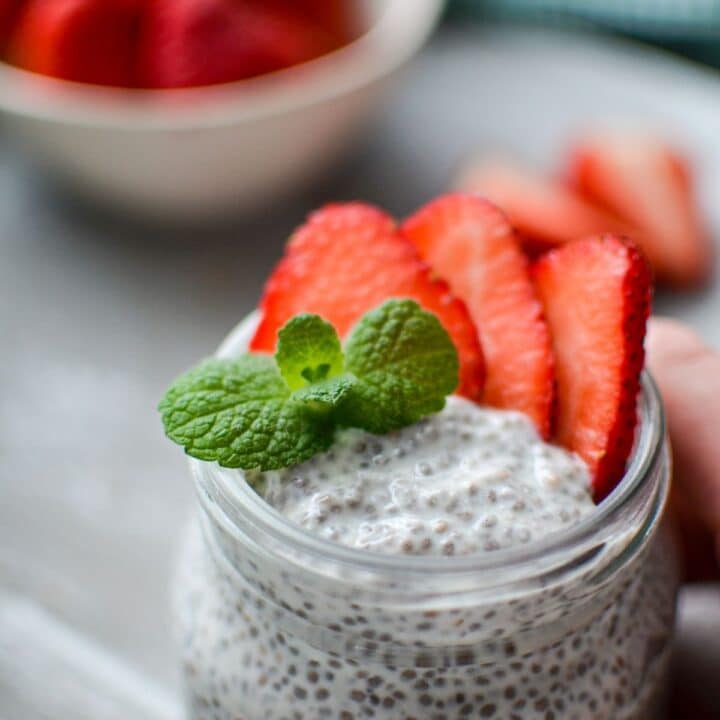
691 27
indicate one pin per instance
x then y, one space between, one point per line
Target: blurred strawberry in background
8 10
648 184
619 181
91 41
186 43
336 17
169 43
544 210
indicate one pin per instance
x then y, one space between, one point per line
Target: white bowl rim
400 29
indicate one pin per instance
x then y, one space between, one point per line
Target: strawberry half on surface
347 259
545 211
470 243
647 184
596 295
90 41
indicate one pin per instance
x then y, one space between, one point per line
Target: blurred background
141 211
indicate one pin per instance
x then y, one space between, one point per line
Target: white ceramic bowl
204 152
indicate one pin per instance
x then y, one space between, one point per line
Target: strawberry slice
645 182
596 296
92 41
545 212
471 243
348 259
188 43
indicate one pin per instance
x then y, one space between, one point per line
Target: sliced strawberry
471 243
187 43
545 211
645 182
348 259
91 41
596 296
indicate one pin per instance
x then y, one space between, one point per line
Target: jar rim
239 507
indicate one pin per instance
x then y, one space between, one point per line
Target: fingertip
688 374
670 342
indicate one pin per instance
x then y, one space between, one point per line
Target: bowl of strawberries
194 109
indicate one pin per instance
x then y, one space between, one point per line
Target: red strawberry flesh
188 43
545 211
596 297
348 259
648 184
91 41
8 14
468 241
337 17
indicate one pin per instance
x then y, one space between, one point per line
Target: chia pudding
457 568
469 479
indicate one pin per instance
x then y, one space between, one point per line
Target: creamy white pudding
468 479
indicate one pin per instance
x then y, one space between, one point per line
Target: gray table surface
98 313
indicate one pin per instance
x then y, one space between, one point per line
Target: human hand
688 373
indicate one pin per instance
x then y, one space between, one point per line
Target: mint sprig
259 412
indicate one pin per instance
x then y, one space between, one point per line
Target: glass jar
277 624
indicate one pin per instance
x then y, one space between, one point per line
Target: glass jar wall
277 624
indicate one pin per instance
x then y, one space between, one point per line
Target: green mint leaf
240 413
308 351
327 394
405 364
260 413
